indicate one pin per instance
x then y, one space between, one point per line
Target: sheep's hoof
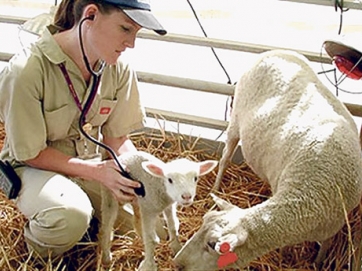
147 266
106 259
175 246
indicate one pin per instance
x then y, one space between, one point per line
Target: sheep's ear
206 166
222 204
153 169
234 240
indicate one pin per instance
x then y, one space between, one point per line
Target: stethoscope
82 119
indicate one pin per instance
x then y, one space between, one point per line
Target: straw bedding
241 187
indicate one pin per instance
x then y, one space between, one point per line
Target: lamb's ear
153 168
222 204
206 166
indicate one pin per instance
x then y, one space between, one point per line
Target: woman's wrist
87 169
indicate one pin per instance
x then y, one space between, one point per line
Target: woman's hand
121 187
106 172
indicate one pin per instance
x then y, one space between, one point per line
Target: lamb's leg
150 239
160 231
109 210
137 219
231 143
173 225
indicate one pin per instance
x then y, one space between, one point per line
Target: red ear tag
227 257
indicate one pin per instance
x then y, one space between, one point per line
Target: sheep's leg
137 224
360 136
173 225
357 243
358 258
109 210
137 219
150 239
160 229
325 245
231 143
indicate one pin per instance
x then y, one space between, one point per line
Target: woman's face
108 35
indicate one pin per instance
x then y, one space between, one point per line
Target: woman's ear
90 17
90 12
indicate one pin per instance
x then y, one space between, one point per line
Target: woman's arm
119 144
105 172
54 160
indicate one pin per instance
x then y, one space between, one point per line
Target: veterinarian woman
42 94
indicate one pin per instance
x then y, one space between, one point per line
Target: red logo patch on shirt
104 110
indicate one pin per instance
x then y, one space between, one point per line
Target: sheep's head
180 177
206 249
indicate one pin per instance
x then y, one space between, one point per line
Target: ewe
166 185
299 137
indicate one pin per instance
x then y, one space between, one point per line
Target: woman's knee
58 210
59 226
46 190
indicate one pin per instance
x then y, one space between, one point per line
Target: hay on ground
240 187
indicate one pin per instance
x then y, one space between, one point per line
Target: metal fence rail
199 85
347 4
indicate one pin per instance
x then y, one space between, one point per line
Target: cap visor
145 19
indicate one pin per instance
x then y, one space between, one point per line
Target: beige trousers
58 210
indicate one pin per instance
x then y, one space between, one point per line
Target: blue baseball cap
140 12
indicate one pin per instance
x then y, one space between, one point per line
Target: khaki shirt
38 109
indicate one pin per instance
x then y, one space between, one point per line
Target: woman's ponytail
64 17
70 12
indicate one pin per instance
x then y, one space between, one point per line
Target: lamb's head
180 176
214 245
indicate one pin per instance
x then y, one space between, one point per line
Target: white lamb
299 137
166 185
